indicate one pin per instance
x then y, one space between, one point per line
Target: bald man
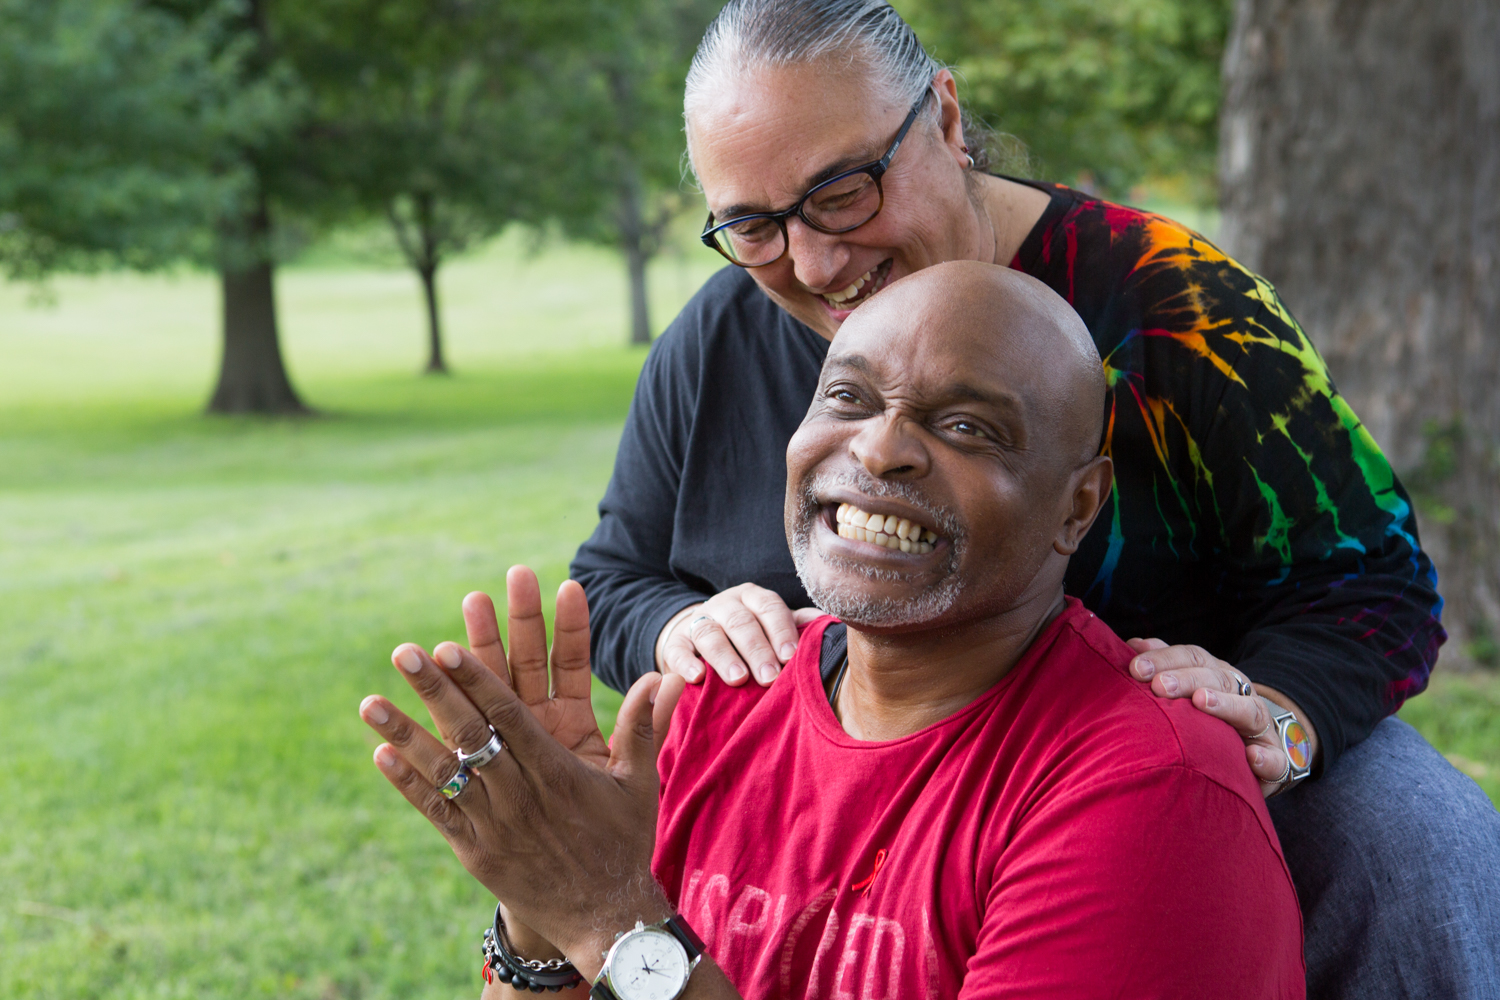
958 790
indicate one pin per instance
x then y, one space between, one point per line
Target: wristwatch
1294 740
649 962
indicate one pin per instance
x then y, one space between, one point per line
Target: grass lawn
192 609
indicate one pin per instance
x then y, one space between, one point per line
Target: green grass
192 608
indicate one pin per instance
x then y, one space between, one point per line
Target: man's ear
1090 488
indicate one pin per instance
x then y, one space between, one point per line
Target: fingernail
371 709
448 655
1260 757
408 660
385 757
766 672
736 673
1210 699
787 651
1169 684
1145 669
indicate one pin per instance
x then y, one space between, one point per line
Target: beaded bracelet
502 963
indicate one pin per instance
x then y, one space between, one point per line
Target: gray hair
779 33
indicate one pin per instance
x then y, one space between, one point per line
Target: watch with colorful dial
1294 740
649 962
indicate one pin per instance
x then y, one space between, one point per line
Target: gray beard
927 606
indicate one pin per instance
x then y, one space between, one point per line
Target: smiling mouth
896 533
861 288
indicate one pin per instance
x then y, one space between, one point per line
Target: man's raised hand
554 834
561 703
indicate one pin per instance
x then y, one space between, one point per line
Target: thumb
632 749
806 616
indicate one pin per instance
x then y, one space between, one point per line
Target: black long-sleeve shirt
1252 513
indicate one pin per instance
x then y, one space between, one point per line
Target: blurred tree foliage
111 119
433 115
142 132
1103 94
622 182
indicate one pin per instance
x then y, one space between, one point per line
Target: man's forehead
935 375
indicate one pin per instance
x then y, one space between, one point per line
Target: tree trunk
252 377
634 240
1360 173
435 363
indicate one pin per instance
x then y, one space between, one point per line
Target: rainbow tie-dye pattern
1253 514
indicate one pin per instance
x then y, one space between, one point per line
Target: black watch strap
684 933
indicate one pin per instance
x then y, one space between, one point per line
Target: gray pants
1396 857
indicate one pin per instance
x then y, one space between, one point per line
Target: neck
1011 210
900 683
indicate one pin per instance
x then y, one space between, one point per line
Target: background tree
109 114
433 117
1099 94
1361 174
623 186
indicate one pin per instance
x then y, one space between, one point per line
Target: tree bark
252 375
635 241
435 363
1360 173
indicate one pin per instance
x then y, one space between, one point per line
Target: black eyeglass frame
876 169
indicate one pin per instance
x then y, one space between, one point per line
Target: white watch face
648 964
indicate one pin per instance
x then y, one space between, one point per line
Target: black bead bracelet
501 963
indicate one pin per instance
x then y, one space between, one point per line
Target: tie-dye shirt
1253 514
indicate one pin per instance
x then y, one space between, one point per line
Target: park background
203 569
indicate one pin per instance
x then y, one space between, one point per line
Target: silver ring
484 754
1285 775
460 781
1245 688
693 625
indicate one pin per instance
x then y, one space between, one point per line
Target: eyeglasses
835 206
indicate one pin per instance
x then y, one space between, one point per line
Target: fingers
570 643
1178 671
1246 713
663 704
466 694
483 629
705 637
759 625
806 616
679 657
1145 645
443 814
460 722
1269 765
528 635
422 752
633 748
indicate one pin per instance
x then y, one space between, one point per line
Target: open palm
561 702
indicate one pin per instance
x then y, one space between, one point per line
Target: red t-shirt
1067 834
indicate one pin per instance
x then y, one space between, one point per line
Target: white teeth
896 533
845 294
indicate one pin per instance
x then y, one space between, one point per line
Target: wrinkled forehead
936 356
761 136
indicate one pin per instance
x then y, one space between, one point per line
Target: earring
970 156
